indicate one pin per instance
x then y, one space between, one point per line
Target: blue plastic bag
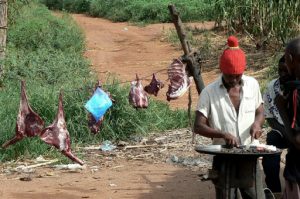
98 104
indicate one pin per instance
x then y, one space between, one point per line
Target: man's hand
230 139
297 141
255 131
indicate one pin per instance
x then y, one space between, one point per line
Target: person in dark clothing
289 109
275 137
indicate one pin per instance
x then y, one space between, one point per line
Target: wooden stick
39 165
90 148
153 145
140 146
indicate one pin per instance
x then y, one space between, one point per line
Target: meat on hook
94 125
154 86
137 96
57 134
179 80
29 123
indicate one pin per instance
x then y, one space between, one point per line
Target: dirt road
125 50
127 180
122 173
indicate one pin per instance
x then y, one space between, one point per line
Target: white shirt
272 91
215 104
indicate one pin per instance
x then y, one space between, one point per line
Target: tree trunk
3 28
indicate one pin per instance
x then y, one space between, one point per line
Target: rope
119 83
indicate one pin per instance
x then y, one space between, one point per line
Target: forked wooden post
189 58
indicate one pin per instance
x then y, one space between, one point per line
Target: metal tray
240 151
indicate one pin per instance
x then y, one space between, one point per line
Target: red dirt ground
133 179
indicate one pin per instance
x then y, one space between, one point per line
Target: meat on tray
29 123
57 134
247 150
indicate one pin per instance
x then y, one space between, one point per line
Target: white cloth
272 90
215 104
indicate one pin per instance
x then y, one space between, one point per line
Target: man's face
232 80
293 65
289 62
283 73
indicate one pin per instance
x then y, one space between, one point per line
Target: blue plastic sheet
98 104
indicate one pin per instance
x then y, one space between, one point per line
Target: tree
3 28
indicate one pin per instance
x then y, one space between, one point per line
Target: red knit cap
233 60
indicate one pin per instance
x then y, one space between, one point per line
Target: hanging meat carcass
93 124
57 134
29 123
179 80
137 96
154 86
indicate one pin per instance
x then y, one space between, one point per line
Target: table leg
242 173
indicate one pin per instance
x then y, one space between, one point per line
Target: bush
14 8
53 4
38 28
139 10
81 6
98 8
111 9
148 11
271 19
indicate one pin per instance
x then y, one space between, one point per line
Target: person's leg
220 191
255 192
248 193
271 164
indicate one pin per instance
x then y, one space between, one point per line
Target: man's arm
274 124
201 127
281 104
256 130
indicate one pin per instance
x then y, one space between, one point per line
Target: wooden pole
179 28
3 29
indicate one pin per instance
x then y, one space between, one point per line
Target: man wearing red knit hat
230 110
